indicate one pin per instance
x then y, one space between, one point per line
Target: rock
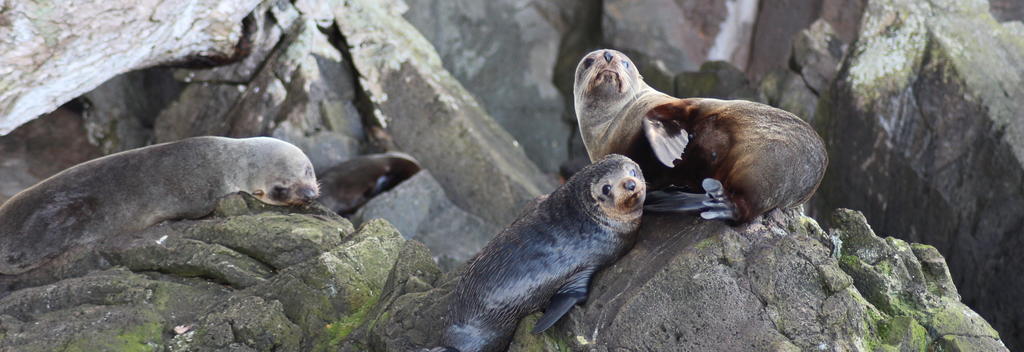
816 55
120 113
295 86
419 210
253 277
432 117
778 21
42 148
844 16
788 91
505 53
52 54
716 79
1007 10
696 285
666 37
928 138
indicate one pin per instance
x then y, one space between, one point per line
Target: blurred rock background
919 102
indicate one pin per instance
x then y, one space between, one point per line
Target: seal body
132 190
747 157
544 259
349 185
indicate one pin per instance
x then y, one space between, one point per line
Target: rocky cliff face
918 102
924 122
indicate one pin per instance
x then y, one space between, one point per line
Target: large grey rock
666 37
926 135
691 285
252 277
716 79
119 114
53 52
296 86
505 53
432 117
419 210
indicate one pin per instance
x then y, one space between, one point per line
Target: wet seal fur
545 259
748 158
129 191
349 185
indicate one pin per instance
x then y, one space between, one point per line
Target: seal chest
545 259
125 192
725 159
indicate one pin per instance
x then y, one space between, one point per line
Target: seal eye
279 193
587 62
607 189
625 64
632 172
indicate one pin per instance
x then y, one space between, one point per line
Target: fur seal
546 257
349 185
132 190
747 157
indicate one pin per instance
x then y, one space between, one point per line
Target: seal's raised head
614 185
281 174
606 76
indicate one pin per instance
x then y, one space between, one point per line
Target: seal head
291 180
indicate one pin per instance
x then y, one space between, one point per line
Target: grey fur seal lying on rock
135 189
747 157
545 258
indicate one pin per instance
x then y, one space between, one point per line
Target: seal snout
608 56
306 195
633 190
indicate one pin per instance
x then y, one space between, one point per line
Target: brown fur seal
349 185
544 259
748 157
135 189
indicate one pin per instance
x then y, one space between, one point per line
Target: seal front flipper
664 134
574 291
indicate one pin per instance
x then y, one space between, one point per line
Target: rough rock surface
419 210
432 117
52 52
653 35
926 135
692 285
252 277
505 53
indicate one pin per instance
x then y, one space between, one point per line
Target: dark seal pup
747 157
132 190
544 259
349 185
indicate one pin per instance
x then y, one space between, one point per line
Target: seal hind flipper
573 292
675 201
666 137
712 205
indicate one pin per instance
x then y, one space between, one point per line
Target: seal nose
307 194
630 184
607 56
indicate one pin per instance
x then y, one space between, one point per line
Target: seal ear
664 133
